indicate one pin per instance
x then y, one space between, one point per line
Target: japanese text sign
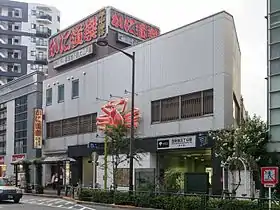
132 26
78 35
38 129
269 175
18 157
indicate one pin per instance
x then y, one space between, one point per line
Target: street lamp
103 42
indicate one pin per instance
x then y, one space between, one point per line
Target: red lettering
128 25
115 20
153 32
53 47
77 35
64 46
90 30
142 30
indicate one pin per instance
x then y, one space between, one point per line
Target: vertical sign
38 129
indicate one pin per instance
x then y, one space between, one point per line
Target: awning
55 159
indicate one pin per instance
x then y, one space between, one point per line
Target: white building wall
193 58
144 162
10 136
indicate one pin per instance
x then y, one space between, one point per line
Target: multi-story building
188 81
24 32
18 99
273 74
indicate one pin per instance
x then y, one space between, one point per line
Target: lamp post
103 42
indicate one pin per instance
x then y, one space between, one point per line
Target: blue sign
92 145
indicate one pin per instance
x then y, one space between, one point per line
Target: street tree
246 141
118 148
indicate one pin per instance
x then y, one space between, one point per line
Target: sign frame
273 182
37 127
57 38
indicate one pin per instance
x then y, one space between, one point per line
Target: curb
87 202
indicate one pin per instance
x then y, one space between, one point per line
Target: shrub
170 202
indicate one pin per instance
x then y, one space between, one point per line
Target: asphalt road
39 203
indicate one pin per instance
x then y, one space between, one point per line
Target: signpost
269 178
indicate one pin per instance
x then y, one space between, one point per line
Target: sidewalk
48 195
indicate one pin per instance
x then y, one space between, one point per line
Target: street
40 203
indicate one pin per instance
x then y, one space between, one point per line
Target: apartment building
24 32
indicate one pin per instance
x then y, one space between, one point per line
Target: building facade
273 74
18 99
188 81
24 32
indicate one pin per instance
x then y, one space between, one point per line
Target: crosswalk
56 203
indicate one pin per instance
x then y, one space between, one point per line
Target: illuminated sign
18 157
127 24
38 129
77 36
2 160
83 52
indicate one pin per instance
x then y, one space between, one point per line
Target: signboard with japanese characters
134 27
38 129
269 176
18 157
176 142
77 36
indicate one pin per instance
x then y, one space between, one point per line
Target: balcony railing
43 32
41 44
45 17
41 59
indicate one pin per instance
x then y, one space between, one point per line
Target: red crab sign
115 113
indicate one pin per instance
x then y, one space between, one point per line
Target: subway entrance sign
269 176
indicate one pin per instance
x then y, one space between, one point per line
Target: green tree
247 141
118 147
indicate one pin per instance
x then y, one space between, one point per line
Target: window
33 26
60 95
275 35
208 102
33 39
274 19
170 109
85 124
15 54
275 51
183 107
57 30
274 5
16 27
274 67
58 18
16 41
191 105
155 111
33 12
75 88
49 96
33 53
70 126
16 13
16 69
122 177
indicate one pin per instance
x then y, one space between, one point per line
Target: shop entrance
173 163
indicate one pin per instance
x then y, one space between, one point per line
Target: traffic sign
269 176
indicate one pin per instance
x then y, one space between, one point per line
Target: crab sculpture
115 113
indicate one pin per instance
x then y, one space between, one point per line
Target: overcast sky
249 19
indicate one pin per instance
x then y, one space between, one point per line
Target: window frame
74 82
48 103
59 98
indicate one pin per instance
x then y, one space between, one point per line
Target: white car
9 192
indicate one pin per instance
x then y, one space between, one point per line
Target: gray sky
168 15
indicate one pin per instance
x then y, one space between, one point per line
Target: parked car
8 191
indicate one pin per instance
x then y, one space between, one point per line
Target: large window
182 107
275 35
275 67
274 5
3 125
75 88
49 96
60 94
275 51
72 126
20 134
